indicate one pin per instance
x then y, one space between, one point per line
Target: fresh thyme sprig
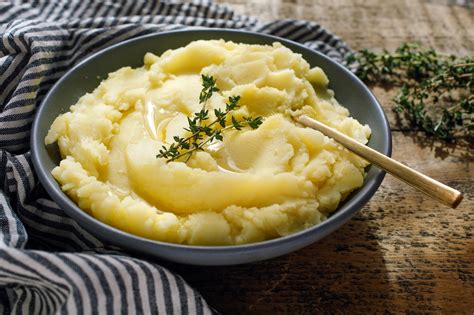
436 89
202 134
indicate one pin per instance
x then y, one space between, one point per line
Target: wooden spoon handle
428 185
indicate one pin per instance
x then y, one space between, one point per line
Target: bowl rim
117 236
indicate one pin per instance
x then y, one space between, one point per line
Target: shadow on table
461 147
345 271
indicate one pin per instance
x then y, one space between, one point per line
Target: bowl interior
86 76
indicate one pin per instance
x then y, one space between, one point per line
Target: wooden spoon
436 190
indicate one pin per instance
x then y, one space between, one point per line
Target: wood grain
403 253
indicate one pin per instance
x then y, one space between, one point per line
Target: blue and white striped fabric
48 263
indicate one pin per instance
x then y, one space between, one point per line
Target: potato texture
253 186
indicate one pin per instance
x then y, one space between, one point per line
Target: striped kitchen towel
48 263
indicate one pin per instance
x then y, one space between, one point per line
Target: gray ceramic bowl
84 77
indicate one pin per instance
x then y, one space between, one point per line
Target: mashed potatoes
254 185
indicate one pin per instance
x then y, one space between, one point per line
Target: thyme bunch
202 132
435 89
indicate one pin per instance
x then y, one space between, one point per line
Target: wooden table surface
403 253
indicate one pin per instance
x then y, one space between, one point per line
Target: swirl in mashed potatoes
254 185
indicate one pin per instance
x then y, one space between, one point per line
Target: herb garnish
436 89
202 134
